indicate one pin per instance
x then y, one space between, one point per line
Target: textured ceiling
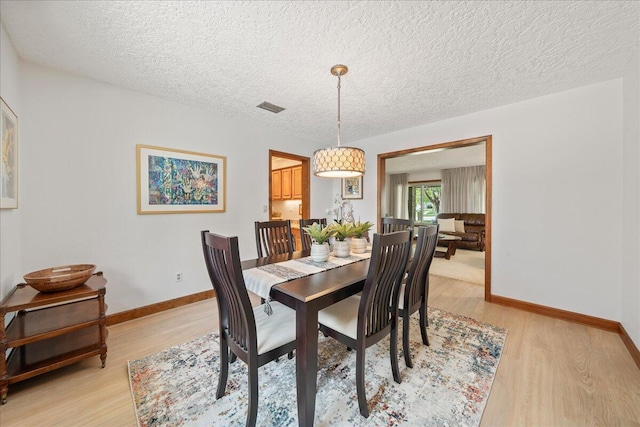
410 63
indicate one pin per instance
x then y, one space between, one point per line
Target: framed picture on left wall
9 159
177 181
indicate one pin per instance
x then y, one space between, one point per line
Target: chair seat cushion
403 287
275 330
401 300
342 316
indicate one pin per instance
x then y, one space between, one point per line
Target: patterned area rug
448 385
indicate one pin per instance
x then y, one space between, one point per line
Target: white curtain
399 195
464 190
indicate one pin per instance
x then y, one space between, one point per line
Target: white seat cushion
401 300
342 316
275 330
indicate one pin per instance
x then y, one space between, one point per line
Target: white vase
342 249
319 252
358 245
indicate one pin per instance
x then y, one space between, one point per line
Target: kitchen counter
295 223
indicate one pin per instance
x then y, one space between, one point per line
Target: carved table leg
103 328
4 379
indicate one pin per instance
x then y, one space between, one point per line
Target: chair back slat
379 302
304 237
274 238
391 225
222 258
418 276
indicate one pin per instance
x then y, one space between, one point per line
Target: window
424 201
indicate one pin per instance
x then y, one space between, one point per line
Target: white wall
78 198
631 201
425 176
551 156
10 219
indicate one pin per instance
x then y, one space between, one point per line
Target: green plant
342 231
318 233
361 228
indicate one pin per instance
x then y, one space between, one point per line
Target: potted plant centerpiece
319 237
342 246
358 242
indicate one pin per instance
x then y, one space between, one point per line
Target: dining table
308 295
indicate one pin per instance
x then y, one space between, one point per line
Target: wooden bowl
60 278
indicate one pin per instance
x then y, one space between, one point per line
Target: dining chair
274 238
304 237
249 333
389 225
414 291
361 321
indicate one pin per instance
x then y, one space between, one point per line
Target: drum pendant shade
338 162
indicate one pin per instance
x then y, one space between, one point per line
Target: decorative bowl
60 278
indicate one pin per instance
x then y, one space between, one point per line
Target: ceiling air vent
270 107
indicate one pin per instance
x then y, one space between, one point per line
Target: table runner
259 280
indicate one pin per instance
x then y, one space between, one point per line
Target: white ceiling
279 163
410 63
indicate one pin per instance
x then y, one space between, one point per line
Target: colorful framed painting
9 159
352 188
177 181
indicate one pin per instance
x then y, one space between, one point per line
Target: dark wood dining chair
361 321
304 237
249 333
414 292
274 238
390 225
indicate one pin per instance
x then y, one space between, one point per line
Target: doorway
383 157
289 196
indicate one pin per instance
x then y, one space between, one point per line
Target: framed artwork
176 181
9 159
352 188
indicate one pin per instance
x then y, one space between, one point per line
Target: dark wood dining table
308 295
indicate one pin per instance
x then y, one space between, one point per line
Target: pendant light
338 162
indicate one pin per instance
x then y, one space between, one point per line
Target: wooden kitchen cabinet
276 185
51 330
296 182
286 184
295 232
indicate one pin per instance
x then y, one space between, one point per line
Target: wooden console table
51 330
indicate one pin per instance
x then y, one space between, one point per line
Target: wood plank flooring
552 372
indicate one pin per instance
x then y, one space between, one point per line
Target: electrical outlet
179 276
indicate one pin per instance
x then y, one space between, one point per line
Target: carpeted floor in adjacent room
466 265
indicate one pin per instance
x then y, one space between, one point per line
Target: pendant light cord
339 109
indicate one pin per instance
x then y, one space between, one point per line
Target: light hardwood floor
552 372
